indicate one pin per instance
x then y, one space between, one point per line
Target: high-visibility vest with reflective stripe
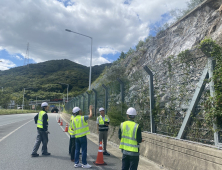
70 131
102 126
40 119
80 127
128 138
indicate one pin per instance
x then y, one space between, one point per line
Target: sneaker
46 154
73 160
77 165
34 155
86 166
106 153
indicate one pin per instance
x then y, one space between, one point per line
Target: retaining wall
169 152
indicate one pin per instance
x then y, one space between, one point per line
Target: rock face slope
175 75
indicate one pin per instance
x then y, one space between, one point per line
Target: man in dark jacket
41 119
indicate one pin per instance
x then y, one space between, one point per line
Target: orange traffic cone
99 160
66 129
61 124
59 120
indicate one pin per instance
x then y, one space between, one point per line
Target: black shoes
106 153
46 154
34 155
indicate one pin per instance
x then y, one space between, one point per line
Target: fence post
121 93
79 98
152 102
211 67
106 98
83 102
88 99
95 101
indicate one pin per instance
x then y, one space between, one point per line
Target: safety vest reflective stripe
70 131
83 133
135 146
134 132
80 128
128 137
40 119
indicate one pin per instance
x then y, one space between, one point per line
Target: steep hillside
45 77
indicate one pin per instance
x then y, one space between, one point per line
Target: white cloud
112 24
6 64
106 50
19 58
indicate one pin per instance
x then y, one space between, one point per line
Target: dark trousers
103 138
72 141
70 144
42 136
81 143
130 162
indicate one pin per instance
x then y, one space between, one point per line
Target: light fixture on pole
67 90
90 70
24 96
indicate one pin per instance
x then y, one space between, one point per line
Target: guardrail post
152 102
106 98
95 104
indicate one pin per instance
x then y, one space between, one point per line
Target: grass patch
15 111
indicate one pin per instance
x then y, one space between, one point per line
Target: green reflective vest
70 131
80 127
102 126
40 119
128 138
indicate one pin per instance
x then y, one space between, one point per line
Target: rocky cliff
176 71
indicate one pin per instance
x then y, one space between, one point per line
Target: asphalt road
17 138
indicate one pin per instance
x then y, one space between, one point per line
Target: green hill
44 78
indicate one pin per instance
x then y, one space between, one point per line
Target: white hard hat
101 109
131 111
75 109
44 104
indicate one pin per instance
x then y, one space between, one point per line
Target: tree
140 44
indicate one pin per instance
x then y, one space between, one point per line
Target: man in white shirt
102 128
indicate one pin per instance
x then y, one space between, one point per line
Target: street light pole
90 70
35 103
67 92
23 99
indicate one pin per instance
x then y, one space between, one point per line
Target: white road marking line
13 122
90 158
14 131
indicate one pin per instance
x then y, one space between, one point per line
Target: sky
33 31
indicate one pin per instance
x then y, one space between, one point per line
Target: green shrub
115 112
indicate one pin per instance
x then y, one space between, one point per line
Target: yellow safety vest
128 138
102 126
40 119
80 127
70 131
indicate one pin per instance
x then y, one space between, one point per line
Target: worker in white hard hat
81 129
41 119
102 128
130 136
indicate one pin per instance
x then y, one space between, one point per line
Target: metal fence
138 92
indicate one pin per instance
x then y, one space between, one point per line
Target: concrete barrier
169 152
